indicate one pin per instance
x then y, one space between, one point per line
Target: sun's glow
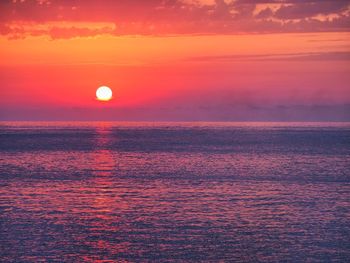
104 93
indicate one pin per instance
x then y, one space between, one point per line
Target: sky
175 60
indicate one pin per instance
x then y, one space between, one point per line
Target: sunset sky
175 60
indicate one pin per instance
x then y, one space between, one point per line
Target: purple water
135 192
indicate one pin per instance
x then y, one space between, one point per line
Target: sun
104 93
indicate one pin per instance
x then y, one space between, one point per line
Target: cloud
310 9
59 30
310 56
167 17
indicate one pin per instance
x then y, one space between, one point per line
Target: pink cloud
173 17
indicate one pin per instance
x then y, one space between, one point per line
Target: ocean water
174 192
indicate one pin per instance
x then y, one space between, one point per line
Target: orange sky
175 60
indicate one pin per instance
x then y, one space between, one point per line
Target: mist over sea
184 192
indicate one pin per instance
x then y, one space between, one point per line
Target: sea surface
174 192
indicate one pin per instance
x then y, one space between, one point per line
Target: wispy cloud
337 55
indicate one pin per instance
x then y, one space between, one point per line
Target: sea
174 192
